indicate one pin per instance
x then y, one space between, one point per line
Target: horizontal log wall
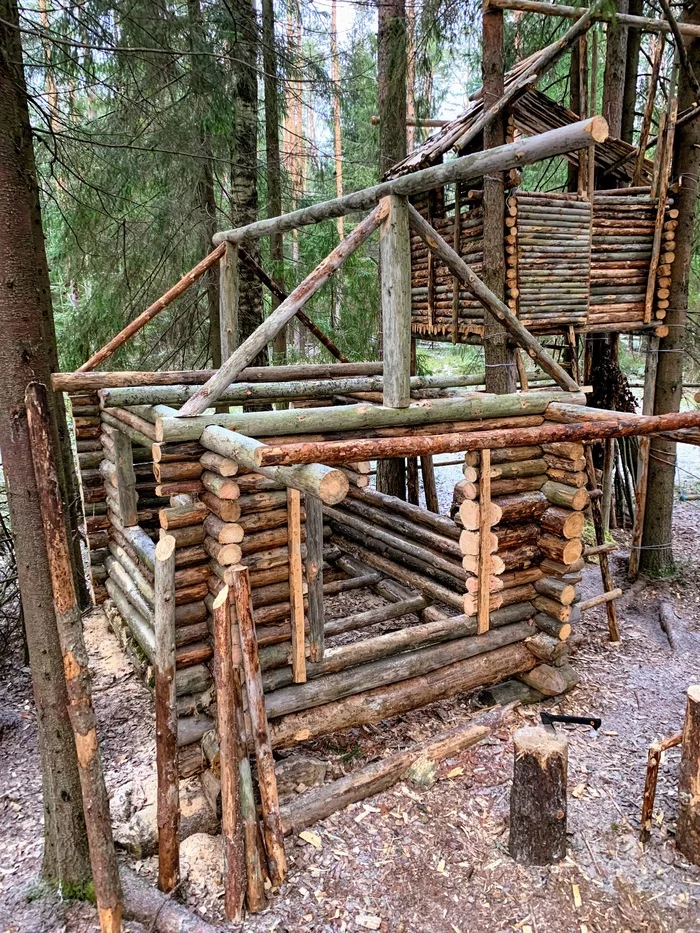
569 262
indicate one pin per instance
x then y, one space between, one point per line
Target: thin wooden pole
166 716
296 583
229 295
652 362
428 470
75 664
657 55
608 583
654 757
274 837
226 699
140 322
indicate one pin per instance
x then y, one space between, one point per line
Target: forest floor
424 860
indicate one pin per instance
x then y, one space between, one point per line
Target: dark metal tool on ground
548 719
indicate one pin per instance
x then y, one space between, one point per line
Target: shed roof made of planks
532 113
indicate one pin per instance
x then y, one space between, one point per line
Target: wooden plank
229 293
296 585
484 542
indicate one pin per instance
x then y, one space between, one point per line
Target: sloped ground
436 859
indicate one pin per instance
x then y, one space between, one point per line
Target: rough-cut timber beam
140 322
468 168
475 407
606 14
378 447
491 302
279 293
89 382
273 324
241 392
328 485
525 81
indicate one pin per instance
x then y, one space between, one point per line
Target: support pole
538 797
274 838
229 294
166 717
314 576
296 585
226 699
75 662
608 583
395 260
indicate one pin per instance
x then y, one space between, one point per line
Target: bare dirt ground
436 859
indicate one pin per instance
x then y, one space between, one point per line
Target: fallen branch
146 904
318 804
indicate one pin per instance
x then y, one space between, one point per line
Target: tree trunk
615 67
392 66
244 180
337 153
629 99
499 358
27 353
575 105
656 556
205 197
272 161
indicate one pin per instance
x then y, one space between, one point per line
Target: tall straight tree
273 162
499 357
615 68
27 351
205 195
629 98
244 172
656 558
392 68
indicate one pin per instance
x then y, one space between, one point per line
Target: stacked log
440 306
667 253
560 539
248 525
549 238
86 424
516 475
621 248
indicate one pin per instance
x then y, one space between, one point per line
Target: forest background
155 125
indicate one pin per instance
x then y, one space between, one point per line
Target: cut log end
165 547
333 487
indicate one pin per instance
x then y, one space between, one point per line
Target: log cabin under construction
218 531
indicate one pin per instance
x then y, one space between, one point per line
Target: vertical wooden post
127 496
484 577
229 280
166 716
538 797
226 696
314 575
395 258
296 585
607 484
456 245
592 110
75 664
428 470
652 362
688 828
583 156
274 837
412 479
608 584
657 56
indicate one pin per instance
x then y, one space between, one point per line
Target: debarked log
384 702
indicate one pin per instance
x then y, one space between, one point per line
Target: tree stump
538 797
688 829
